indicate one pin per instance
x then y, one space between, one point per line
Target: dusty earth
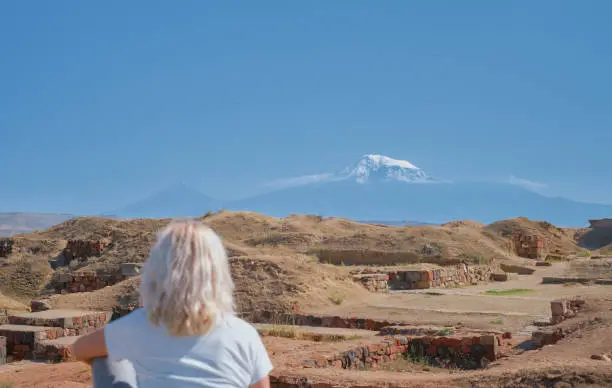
276 264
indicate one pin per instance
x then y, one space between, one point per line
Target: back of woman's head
186 283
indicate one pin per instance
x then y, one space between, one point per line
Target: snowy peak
380 168
381 160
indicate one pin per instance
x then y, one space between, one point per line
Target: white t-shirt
231 355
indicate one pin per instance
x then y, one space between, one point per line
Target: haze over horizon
103 105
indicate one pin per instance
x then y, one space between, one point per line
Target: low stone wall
517 269
91 320
318 321
65 283
70 282
2 350
461 352
399 279
365 257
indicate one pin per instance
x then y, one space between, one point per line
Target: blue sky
102 104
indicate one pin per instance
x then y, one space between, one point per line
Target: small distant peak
381 160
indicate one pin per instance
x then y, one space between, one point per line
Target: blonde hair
186 282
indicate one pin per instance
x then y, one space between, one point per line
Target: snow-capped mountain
370 169
378 168
377 187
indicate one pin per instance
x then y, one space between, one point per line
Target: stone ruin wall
530 246
561 310
381 280
82 249
465 350
30 344
366 257
65 283
71 282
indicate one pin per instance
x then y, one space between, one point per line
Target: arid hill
276 262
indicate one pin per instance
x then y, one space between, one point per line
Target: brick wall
82 249
529 246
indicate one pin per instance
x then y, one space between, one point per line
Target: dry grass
24 278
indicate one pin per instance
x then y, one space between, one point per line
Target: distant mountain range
17 223
378 187
375 189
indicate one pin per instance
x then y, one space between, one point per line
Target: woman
186 334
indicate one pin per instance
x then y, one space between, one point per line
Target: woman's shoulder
233 322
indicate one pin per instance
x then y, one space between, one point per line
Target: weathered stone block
131 269
558 307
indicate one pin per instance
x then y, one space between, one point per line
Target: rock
601 357
40 305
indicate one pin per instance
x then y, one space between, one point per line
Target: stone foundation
460 352
86 320
399 279
21 341
66 283
319 321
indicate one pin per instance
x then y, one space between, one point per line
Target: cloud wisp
527 184
300 181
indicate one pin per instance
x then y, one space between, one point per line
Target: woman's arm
90 346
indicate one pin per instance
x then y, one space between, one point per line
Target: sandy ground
272 257
567 362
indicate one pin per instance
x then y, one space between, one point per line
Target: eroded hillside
276 262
